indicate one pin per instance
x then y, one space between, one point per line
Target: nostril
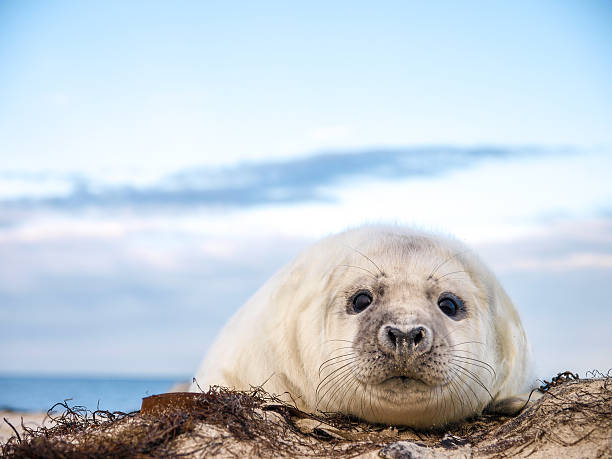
417 335
402 341
392 335
396 337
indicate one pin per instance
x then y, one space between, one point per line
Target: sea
40 393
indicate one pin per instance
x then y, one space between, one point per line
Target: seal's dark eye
361 301
450 304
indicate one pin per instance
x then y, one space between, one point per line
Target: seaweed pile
572 418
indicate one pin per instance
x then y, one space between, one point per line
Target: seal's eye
449 304
361 301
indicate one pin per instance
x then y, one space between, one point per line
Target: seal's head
387 324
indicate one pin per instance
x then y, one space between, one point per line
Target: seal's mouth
402 380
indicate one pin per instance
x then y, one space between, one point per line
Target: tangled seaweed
559 379
225 422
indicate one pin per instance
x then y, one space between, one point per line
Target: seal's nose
405 340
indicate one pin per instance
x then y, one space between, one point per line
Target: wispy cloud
156 308
250 184
162 297
567 245
160 264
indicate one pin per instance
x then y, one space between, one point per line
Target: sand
572 419
32 420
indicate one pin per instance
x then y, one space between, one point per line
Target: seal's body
383 323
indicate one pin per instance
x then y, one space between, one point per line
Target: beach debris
573 418
559 379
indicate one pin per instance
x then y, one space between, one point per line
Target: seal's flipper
511 406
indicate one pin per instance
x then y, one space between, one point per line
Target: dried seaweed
231 423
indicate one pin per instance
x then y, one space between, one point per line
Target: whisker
354 384
342 340
351 387
466 342
473 377
462 386
382 273
454 390
363 269
453 395
484 365
343 348
446 261
461 350
342 371
342 391
361 404
323 365
323 383
328 395
440 394
448 334
371 406
448 274
347 373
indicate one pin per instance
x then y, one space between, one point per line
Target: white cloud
59 268
331 134
33 186
568 262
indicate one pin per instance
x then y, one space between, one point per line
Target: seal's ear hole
361 301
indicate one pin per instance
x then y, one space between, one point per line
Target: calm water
41 393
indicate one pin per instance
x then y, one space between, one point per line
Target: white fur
283 334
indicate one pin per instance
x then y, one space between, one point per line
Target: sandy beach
571 419
32 420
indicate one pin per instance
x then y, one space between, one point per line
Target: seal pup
388 324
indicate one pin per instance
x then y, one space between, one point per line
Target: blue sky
119 84
159 161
